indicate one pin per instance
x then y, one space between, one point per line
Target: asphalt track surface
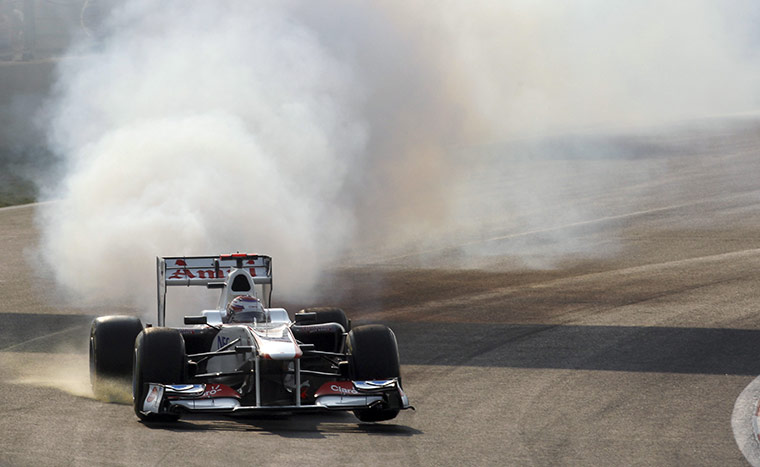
632 356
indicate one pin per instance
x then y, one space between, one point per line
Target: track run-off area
639 345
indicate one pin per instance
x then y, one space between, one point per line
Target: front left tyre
112 343
159 358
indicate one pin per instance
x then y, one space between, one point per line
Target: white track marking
744 422
44 336
23 206
382 259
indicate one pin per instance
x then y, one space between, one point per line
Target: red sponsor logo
200 273
203 273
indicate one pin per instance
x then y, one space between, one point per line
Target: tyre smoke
313 130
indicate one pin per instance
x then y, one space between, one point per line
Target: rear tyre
112 343
373 355
328 315
159 358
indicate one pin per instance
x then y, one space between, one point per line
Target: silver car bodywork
243 358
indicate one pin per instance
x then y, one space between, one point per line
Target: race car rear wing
210 271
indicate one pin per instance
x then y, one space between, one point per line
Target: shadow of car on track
606 348
611 348
301 426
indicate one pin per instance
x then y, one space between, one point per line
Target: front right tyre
325 314
373 356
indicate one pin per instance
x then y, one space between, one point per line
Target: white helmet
246 309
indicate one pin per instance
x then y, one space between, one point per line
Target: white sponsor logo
212 390
342 390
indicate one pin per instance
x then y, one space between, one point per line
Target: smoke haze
308 130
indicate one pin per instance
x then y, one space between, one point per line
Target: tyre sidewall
112 340
159 357
329 315
373 355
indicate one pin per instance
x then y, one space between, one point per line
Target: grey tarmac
634 357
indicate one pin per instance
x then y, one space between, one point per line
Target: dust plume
313 130
65 372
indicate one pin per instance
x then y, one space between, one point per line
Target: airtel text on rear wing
209 271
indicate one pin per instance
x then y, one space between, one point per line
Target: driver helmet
246 309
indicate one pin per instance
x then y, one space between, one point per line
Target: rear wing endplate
206 271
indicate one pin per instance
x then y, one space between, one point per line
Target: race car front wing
218 398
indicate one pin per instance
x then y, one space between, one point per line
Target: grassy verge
23 169
15 191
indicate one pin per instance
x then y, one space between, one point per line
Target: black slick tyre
328 315
159 358
373 355
112 343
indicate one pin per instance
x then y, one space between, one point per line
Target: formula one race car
245 357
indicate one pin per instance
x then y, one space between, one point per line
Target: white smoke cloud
195 131
302 129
